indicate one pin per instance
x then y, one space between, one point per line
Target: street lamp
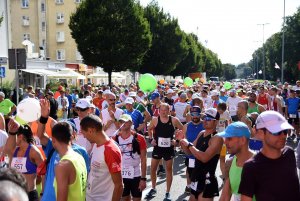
264 67
283 30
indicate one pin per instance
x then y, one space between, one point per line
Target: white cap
214 93
89 98
3 138
213 113
107 91
273 121
93 106
196 96
170 91
83 103
2 94
129 100
222 90
132 94
125 118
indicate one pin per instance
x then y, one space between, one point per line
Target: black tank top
201 169
165 130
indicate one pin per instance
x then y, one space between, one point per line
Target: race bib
194 185
127 172
191 163
292 115
19 164
164 142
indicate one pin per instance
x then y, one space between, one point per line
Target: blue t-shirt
136 116
70 99
223 98
49 192
293 105
192 132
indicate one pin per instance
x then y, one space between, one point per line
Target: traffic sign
17 57
3 60
2 72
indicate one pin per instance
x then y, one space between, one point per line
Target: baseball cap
89 98
83 103
132 94
50 93
71 122
236 129
2 94
154 96
212 113
129 100
196 96
232 91
222 90
272 121
170 91
195 109
125 118
214 93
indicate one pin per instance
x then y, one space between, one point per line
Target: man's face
87 134
111 100
126 125
252 98
82 112
233 144
155 100
203 94
164 111
195 117
129 107
209 123
214 97
231 94
273 141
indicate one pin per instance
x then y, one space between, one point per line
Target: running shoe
152 193
167 197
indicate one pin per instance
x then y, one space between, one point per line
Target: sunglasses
112 99
195 114
285 132
208 119
81 109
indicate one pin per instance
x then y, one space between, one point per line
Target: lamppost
264 67
282 52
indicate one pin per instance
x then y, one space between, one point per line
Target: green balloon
188 81
227 85
147 83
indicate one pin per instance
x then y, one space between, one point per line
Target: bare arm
226 192
118 183
245 198
177 123
143 156
62 175
45 110
2 122
151 127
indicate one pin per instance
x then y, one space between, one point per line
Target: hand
153 142
13 126
184 143
45 108
173 142
179 134
142 185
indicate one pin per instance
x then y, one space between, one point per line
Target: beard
252 101
196 120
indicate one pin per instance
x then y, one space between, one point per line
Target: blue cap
236 129
196 109
154 96
71 122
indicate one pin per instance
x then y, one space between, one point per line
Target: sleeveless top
253 109
192 132
164 133
263 101
23 164
76 191
274 104
155 111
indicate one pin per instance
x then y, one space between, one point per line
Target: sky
230 27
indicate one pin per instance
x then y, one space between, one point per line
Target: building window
77 1
43 26
24 3
60 54
78 56
60 36
60 18
26 36
25 20
43 9
44 43
59 1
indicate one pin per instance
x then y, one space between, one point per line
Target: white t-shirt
111 131
225 117
3 138
232 104
207 102
179 108
81 140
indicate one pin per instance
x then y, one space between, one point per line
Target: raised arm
45 110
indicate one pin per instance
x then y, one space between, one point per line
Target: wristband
143 179
43 120
11 133
190 145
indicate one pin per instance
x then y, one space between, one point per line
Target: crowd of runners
91 144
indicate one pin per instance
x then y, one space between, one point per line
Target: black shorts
33 195
209 190
188 169
294 120
165 153
131 187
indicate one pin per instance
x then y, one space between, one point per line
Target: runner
272 173
163 142
232 103
291 112
134 159
264 98
253 106
136 115
237 137
104 178
206 149
179 107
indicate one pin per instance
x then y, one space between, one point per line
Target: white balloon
29 109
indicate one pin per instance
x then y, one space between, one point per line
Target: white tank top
111 131
81 140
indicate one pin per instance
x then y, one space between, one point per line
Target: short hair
62 132
86 93
245 104
91 121
10 174
166 105
274 89
222 106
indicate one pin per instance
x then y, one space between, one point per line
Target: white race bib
19 163
191 163
164 142
127 172
292 115
194 185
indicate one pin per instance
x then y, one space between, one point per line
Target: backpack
135 144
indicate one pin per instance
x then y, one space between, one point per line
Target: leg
192 198
126 198
169 169
200 198
154 164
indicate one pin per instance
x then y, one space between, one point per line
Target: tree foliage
229 71
112 34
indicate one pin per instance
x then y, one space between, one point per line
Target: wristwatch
190 145
143 178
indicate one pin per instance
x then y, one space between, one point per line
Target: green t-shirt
5 106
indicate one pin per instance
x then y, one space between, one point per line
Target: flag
276 66
260 72
254 74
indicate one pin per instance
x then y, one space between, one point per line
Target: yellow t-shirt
5 106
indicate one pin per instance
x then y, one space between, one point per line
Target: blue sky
229 26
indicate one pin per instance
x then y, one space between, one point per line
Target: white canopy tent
105 75
67 73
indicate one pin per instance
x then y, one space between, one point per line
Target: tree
229 71
112 34
169 45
